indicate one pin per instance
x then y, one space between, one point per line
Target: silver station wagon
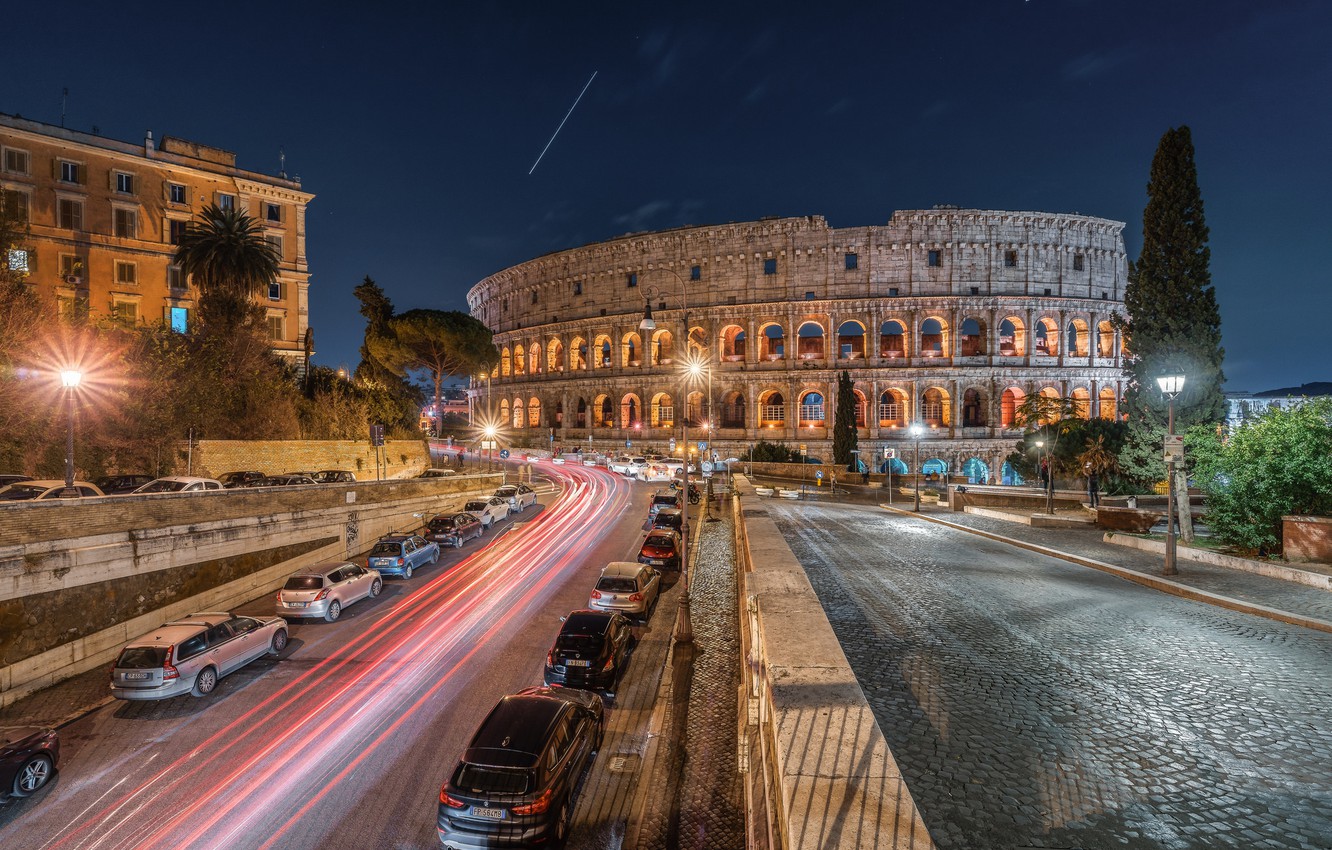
189 655
324 590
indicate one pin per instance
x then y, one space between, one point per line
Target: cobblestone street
1032 703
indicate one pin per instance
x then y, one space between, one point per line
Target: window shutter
111 180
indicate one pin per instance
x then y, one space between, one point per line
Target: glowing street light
70 378
916 431
1171 385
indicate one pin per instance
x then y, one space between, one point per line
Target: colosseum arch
733 344
1109 407
663 341
893 409
1012 337
519 360
813 410
601 352
977 471
1105 339
934 337
1047 337
662 412
971 338
1081 403
774 341
631 411
732 410
975 407
772 409
580 413
1053 395
534 364
1009 403
603 412
519 414
505 361
1078 339
534 412
631 349
935 408
862 406
851 341
810 341
696 409
555 356
698 343
578 354
892 339
555 415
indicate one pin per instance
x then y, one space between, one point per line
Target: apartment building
106 215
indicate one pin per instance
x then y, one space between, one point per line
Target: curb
651 755
1155 582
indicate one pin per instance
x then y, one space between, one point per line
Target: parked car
266 481
454 529
669 518
519 496
593 460
653 472
589 651
47 488
619 464
28 759
489 510
232 480
515 783
324 590
400 554
114 485
663 499
626 587
179 484
661 548
334 476
191 654
10 478
290 479
439 473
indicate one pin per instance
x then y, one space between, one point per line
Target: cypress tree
844 423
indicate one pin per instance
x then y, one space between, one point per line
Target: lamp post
490 448
1048 480
70 378
684 629
1170 385
916 431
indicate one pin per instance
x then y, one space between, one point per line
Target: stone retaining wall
398 458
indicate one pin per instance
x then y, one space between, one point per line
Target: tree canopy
229 261
844 423
437 342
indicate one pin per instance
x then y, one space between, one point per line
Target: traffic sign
701 445
1174 448
819 474
504 453
889 454
672 444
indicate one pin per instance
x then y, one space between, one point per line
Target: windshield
475 506
22 491
303 583
584 643
386 549
443 524
141 657
491 780
617 585
659 541
163 486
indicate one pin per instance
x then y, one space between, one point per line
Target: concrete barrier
824 775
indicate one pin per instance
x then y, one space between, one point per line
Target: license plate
656 562
136 675
481 812
576 663
297 604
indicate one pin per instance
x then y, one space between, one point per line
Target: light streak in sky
561 127
277 761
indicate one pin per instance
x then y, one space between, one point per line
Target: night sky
416 125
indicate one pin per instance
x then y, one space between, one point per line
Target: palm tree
228 259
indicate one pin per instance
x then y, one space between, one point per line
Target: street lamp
1048 481
490 448
70 378
1171 385
916 431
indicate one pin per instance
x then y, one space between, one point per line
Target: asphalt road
1032 703
344 741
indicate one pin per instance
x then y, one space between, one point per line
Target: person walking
1093 487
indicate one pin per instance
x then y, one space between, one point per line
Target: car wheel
279 641
34 773
562 826
334 611
205 682
407 571
457 542
435 557
375 587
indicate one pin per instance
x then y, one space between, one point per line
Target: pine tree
844 423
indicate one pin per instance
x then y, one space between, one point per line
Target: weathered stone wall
1307 539
398 458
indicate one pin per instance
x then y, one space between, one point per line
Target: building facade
105 217
947 318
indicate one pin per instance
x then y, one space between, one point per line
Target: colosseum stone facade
943 317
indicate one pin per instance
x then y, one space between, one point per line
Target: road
344 741
1032 703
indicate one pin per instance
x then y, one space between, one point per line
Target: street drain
624 763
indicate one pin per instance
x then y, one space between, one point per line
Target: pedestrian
1093 488
864 476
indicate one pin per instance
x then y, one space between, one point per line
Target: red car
661 549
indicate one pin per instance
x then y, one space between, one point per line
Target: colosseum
946 317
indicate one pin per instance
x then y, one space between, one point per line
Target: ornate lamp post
916 431
1171 386
1048 482
70 378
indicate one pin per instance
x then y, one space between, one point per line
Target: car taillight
550 658
451 802
610 662
596 594
323 594
168 671
537 806
635 597
400 562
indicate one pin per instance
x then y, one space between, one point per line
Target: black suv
114 485
515 784
589 651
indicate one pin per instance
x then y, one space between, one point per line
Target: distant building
454 408
1243 406
106 216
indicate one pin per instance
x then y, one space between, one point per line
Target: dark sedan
113 485
243 478
661 549
28 758
453 529
589 651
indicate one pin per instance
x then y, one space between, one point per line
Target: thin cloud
642 218
1091 65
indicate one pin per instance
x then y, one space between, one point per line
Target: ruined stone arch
934 337
662 413
1009 402
733 410
1109 406
698 343
504 412
1078 339
772 408
534 365
631 411
774 341
601 352
578 354
506 361
534 412
813 409
631 349
1046 337
894 410
1105 339
975 407
555 355
1012 337
733 344
893 339
851 340
862 408
695 405
1081 402
663 345
580 413
519 359
603 412
972 334
810 341
519 414
936 409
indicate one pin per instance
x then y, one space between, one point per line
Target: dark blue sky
416 125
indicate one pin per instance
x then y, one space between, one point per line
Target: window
1078 263
809 296
975 290
70 266
225 201
1010 259
16 161
273 212
176 193
178 319
535 297
126 223
127 273
18 260
125 312
695 272
175 230
69 214
275 291
69 172
1047 290
274 241
770 266
124 183
275 328
578 287
176 277
892 292
632 280
852 262
16 203
936 258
